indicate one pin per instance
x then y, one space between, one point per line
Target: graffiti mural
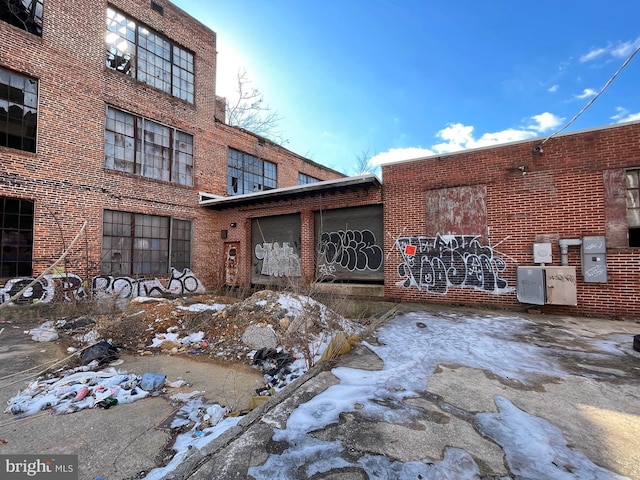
68 286
125 287
46 289
278 261
350 249
437 263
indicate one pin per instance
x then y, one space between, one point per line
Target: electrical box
561 285
542 253
547 285
594 259
531 283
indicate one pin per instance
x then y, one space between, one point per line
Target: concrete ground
123 441
596 406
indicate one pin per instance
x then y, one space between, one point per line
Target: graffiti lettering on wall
45 290
437 263
68 286
349 249
278 261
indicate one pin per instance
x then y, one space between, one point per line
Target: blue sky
405 79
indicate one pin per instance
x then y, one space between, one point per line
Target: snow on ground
411 346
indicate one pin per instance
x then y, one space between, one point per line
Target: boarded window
276 252
458 210
349 244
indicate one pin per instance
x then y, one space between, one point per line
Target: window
633 206
16 237
304 179
136 145
138 244
24 14
247 173
18 111
146 55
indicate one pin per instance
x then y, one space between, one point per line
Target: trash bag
102 352
152 381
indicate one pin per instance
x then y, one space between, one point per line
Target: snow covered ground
411 346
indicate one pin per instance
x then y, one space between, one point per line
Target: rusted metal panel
615 209
458 210
231 262
349 244
275 243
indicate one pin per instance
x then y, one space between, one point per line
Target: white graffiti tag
278 261
437 263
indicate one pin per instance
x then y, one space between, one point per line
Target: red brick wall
306 206
562 195
67 179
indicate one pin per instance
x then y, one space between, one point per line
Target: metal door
231 262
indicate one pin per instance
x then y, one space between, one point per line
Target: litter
76 390
44 333
102 352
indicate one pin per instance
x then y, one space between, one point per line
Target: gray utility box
594 259
546 285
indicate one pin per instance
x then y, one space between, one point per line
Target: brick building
551 224
121 135
107 116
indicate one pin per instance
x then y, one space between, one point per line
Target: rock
259 337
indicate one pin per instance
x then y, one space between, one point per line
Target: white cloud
618 50
553 88
632 117
397 154
593 54
622 112
623 50
546 121
586 93
458 136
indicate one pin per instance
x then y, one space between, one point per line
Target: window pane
246 173
120 36
16 237
18 114
24 14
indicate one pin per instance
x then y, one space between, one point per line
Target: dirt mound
222 328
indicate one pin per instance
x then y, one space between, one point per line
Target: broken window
633 206
18 111
246 173
139 244
137 145
24 14
303 179
141 53
16 237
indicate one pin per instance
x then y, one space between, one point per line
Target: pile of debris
221 328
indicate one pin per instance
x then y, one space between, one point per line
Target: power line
606 85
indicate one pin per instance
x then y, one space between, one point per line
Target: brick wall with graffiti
435 264
69 286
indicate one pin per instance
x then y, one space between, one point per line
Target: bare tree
249 110
363 164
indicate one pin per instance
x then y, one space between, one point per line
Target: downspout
564 249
